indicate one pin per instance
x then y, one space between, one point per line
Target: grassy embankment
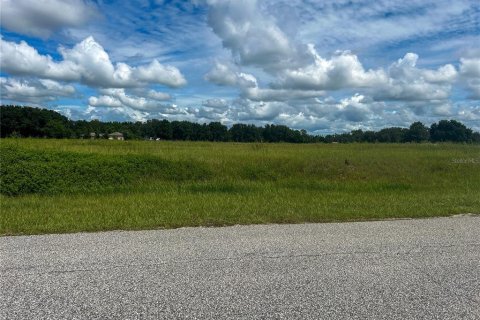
51 186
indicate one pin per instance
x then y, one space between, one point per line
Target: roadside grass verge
55 186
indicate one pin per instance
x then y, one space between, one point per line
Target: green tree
218 132
417 132
450 130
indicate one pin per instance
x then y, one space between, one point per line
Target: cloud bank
88 63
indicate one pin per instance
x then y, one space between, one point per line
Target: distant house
92 135
116 136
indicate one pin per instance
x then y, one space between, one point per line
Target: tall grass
84 185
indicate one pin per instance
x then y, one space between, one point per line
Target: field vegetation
53 186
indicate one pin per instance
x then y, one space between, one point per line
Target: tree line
19 121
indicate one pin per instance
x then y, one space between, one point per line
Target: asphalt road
404 269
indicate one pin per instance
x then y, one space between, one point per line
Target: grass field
53 186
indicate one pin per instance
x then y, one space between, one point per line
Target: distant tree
393 134
218 132
182 130
35 122
240 132
32 122
355 136
369 136
417 132
450 130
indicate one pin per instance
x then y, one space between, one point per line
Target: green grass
53 186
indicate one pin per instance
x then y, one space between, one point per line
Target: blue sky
324 66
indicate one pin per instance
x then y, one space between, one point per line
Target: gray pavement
403 269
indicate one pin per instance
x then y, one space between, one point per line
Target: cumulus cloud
341 71
21 59
42 18
312 114
223 75
406 82
394 96
155 72
254 38
111 114
117 98
402 81
300 72
406 69
87 62
353 109
33 91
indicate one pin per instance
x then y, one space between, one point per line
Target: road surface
402 269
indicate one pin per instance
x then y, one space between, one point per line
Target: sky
323 66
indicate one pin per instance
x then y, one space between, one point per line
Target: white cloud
105 101
88 63
155 72
114 114
343 70
299 71
247 110
406 68
33 91
444 74
402 81
470 67
21 59
116 98
254 38
406 82
160 96
42 18
223 75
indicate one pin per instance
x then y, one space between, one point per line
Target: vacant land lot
85 185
